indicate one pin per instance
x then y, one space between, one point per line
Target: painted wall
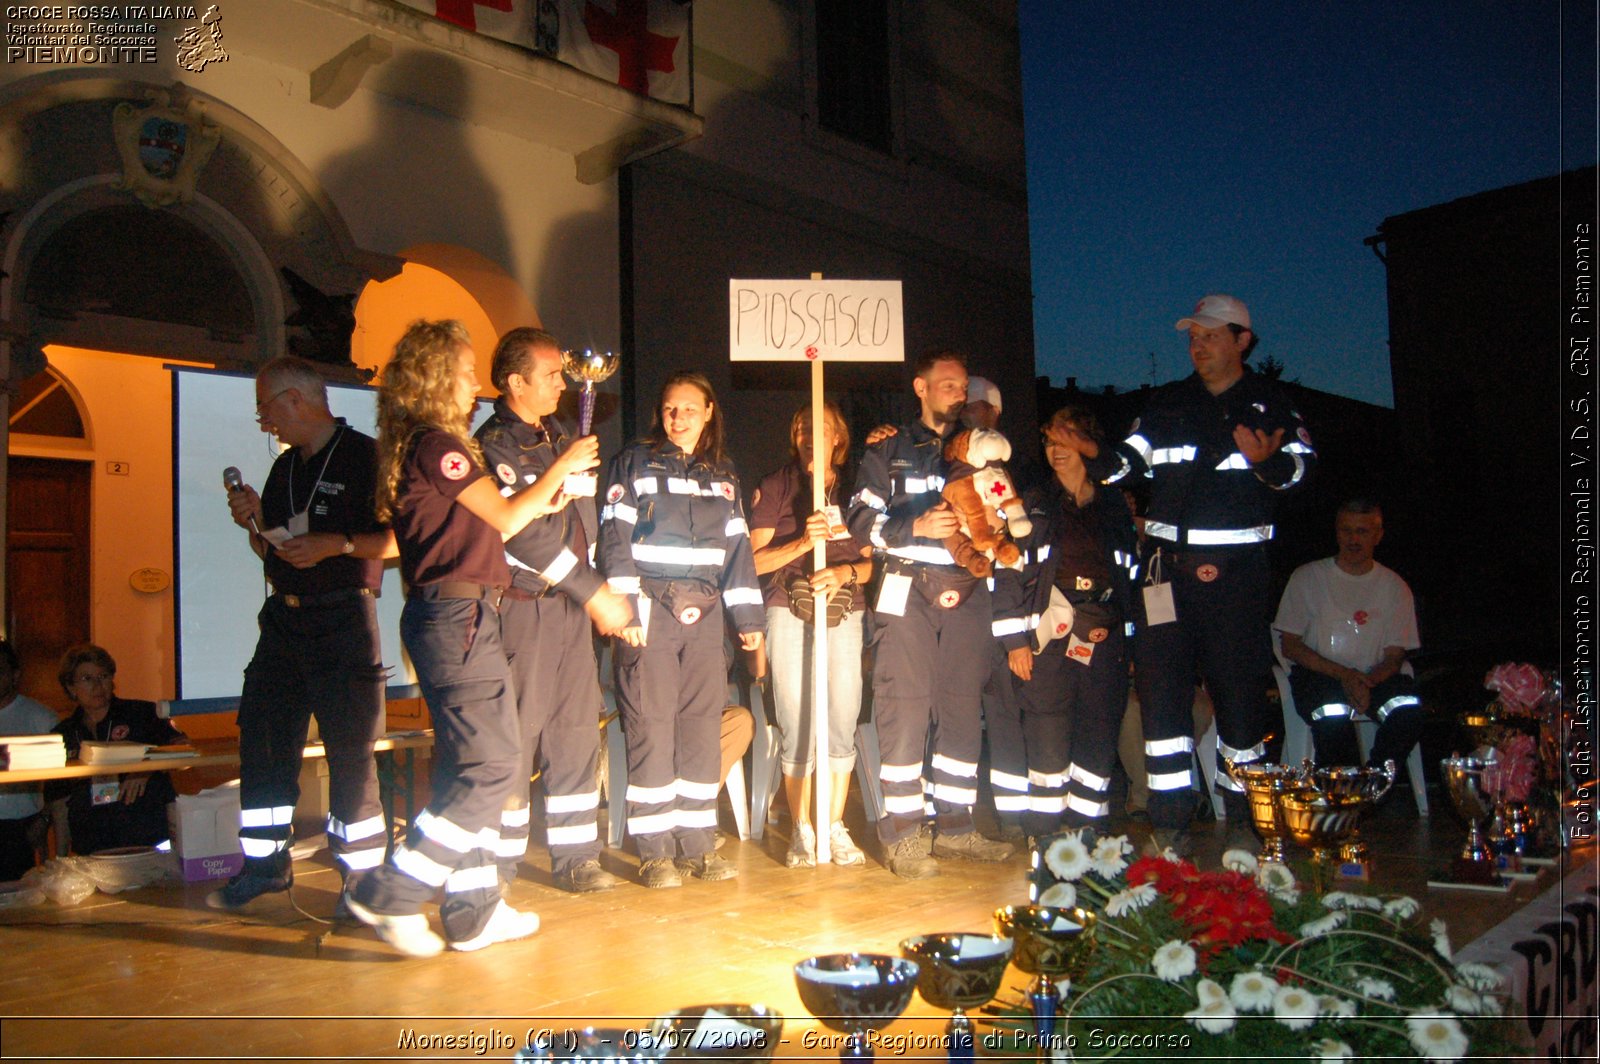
126 405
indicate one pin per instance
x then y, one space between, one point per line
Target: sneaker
843 848
587 877
972 847
802 847
410 935
245 888
711 867
907 860
505 924
659 874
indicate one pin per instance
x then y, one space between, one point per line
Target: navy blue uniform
933 621
1208 525
318 655
547 640
673 537
455 567
107 825
1072 707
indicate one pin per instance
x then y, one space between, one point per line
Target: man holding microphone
314 528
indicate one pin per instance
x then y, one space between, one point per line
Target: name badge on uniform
836 526
1079 651
892 594
1159 607
298 524
104 790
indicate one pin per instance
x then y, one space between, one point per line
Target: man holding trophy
545 615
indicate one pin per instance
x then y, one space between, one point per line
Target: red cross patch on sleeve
504 472
454 465
614 493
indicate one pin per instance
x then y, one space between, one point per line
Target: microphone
234 481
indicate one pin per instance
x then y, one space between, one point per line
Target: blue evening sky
1242 146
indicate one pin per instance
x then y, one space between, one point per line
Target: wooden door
47 566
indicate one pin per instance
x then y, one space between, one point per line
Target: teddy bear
980 491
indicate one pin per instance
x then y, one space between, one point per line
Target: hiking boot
410 935
505 924
843 848
719 839
245 888
971 846
712 867
659 873
587 877
802 847
907 859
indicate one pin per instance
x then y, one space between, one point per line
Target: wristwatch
349 546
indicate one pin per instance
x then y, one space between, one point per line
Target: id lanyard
1159 606
304 516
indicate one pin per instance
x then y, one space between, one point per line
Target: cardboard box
205 832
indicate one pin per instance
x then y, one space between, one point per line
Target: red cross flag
642 45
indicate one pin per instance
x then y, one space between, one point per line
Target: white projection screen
217 580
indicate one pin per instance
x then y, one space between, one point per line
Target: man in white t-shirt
1346 624
20 803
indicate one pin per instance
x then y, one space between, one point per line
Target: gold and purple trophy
586 369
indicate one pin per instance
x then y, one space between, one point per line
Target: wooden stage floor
154 974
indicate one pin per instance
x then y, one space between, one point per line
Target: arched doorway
48 533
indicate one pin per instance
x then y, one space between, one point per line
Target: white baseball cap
1217 310
980 390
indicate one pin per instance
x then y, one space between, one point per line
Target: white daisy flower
1322 925
1441 937
1239 861
1464 1000
1380 989
1436 1036
1215 1014
1253 991
1173 961
1061 895
1295 1008
1333 1005
1130 900
1278 881
1331 1050
1479 977
1340 899
1067 857
1109 857
1401 907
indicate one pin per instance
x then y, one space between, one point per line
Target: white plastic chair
1297 733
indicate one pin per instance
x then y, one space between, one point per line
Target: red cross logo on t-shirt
998 489
454 465
1360 618
628 34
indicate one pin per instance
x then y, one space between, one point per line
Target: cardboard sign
799 321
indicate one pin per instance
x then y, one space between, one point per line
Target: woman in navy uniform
448 518
1077 595
673 537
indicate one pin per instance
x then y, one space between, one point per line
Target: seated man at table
1346 624
105 812
21 826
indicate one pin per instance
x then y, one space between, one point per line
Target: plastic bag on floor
64 880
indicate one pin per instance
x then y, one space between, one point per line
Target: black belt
340 597
459 589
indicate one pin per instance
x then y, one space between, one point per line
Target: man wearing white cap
1218 447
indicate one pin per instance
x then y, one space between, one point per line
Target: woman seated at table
108 811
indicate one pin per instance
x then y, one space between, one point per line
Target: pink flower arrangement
1510 777
1520 687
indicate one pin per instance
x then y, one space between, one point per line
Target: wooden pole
823 784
